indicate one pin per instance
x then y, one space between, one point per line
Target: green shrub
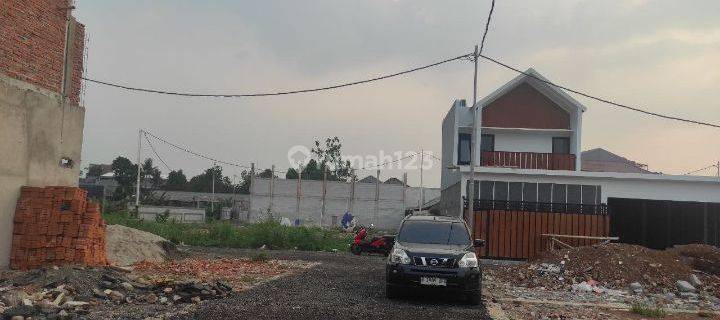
647 311
269 233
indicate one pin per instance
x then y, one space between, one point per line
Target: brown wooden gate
513 230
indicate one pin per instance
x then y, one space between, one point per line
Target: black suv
434 252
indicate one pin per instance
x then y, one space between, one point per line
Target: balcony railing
528 160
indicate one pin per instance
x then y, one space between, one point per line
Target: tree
330 158
94 170
151 175
204 181
267 174
291 174
177 181
125 174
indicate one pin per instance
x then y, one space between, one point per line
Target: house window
561 145
464 148
487 142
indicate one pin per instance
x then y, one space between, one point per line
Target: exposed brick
32 42
56 225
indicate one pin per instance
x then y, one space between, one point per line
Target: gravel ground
342 286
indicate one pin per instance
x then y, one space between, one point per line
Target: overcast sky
660 55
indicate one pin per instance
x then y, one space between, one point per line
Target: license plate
433 281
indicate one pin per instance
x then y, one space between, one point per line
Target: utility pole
139 168
250 190
324 195
473 148
422 188
377 197
298 192
404 193
212 199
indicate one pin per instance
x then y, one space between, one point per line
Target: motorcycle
380 244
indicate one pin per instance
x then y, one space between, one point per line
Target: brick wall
32 43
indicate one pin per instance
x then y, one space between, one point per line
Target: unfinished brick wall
32 44
54 226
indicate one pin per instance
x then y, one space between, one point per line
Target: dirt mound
617 266
701 257
128 246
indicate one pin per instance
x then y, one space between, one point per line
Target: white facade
648 186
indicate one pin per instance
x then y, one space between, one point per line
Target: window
487 142
464 148
432 232
560 145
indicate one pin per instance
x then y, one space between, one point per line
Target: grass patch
224 234
647 311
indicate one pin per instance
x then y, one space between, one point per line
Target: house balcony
528 160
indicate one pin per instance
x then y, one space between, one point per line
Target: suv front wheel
474 298
392 292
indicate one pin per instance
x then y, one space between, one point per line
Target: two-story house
528 151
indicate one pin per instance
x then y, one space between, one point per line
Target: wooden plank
501 234
532 218
511 233
563 223
588 227
492 235
581 228
543 228
527 234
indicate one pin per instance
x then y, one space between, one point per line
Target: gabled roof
369 179
531 77
393 180
601 160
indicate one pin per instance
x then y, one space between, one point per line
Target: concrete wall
35 133
189 215
451 200
338 200
525 141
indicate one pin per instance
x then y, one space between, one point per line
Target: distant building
369 179
393 180
601 160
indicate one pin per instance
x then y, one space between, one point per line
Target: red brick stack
56 225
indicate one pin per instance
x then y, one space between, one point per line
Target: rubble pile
617 266
55 226
239 273
64 292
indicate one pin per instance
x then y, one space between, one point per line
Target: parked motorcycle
380 244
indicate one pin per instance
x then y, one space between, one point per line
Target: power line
155 151
279 93
600 99
698 170
388 162
193 152
487 26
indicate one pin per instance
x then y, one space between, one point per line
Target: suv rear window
433 232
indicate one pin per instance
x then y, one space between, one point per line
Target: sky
663 56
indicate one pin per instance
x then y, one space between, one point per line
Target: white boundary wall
386 212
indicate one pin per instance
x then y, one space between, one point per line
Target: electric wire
279 93
487 26
193 152
155 151
604 100
698 170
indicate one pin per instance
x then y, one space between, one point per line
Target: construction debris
72 291
55 226
615 266
608 277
